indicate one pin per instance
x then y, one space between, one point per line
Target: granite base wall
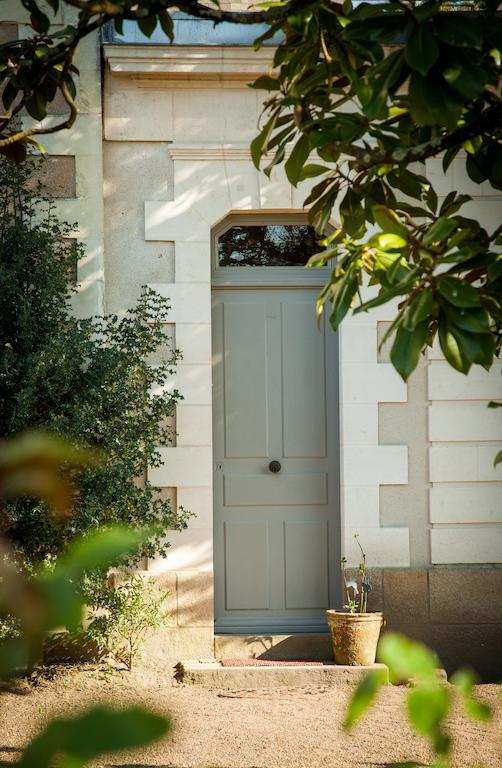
456 610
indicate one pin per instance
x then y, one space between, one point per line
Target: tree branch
367 158
26 134
195 9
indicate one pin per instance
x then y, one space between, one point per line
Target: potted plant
355 630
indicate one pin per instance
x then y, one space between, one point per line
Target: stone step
212 674
296 647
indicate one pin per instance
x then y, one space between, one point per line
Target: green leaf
406 349
344 292
439 231
266 83
389 242
431 199
259 144
458 292
352 213
389 221
147 25
406 658
476 348
451 349
386 294
364 696
9 93
101 548
97 732
419 310
39 21
376 92
427 708
295 162
422 50
465 75
459 29
433 102
166 23
96 551
36 105
320 259
409 183
498 459
310 170
471 320
465 680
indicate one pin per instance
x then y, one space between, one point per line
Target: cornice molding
187 63
216 152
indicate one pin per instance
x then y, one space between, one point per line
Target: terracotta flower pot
354 636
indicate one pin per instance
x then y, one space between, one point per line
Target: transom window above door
271 248
266 245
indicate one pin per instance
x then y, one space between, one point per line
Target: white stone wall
465 435
196 102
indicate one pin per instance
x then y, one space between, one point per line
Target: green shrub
86 380
123 616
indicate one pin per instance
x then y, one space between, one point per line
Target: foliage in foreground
51 599
429 700
86 380
373 114
374 90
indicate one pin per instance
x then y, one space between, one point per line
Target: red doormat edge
272 663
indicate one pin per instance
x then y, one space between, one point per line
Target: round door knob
275 466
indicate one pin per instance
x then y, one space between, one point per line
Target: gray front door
276 534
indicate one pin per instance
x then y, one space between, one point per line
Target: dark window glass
271 245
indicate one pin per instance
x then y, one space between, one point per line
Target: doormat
272 663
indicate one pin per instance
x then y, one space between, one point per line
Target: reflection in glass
272 245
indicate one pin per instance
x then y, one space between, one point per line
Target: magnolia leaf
458 292
295 162
422 50
451 349
311 170
364 696
406 349
389 221
439 231
419 309
388 242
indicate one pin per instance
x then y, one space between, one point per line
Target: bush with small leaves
88 380
122 616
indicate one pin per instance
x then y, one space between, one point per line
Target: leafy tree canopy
85 380
372 89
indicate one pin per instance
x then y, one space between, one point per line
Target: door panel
245 380
306 543
249 490
246 544
275 396
303 382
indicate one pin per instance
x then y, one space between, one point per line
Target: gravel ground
283 728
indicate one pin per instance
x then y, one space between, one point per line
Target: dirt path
285 728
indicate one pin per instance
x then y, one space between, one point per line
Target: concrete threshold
212 674
298 647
